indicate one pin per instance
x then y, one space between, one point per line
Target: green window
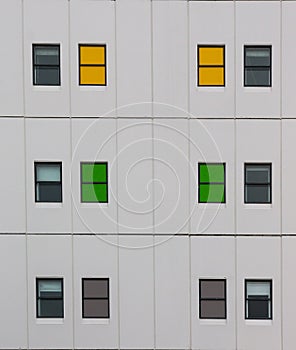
211 187
94 182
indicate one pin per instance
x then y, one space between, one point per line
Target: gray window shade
212 299
95 298
212 289
48 172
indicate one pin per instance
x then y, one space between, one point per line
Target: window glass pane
94 172
50 308
48 172
50 286
212 309
92 75
257 56
49 192
258 288
92 55
211 56
47 76
95 288
212 193
94 193
212 289
258 174
258 308
211 173
257 194
46 55
257 77
211 76
96 308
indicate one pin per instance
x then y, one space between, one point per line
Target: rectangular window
212 298
95 298
211 178
92 65
211 65
94 182
48 182
258 297
257 66
46 64
257 183
50 299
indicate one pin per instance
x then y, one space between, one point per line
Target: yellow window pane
92 54
211 56
92 76
211 76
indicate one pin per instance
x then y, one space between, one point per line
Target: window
48 182
258 183
257 66
211 65
92 65
258 296
50 300
95 298
211 178
46 64
94 182
212 298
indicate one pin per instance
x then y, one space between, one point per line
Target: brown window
95 298
212 298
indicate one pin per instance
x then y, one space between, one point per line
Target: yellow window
92 65
211 65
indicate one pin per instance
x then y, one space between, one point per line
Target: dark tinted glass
96 308
50 308
258 174
257 77
257 194
49 192
212 289
95 288
258 308
212 309
50 295
257 56
46 75
46 55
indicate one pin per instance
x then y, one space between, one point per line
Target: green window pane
211 173
94 193
212 193
94 172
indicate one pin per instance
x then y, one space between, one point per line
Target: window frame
212 183
270 63
96 183
46 65
97 298
214 46
224 280
61 279
36 163
269 300
257 184
92 65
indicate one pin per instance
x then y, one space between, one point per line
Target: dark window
46 64
257 183
258 296
48 182
50 300
95 298
257 66
212 298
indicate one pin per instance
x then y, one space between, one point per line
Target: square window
92 65
258 296
258 183
257 68
50 298
48 182
95 298
211 65
46 64
94 182
211 182
212 299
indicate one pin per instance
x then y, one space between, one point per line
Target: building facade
147 182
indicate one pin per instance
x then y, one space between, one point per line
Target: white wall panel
258 142
46 22
135 185
13 315
212 141
172 285
12 185
133 35
94 140
48 140
136 292
204 19
264 17
95 257
170 58
213 258
92 22
171 165
11 69
50 256
259 258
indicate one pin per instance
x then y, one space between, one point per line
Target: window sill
258 322
48 205
201 89
258 205
213 322
92 88
47 88
49 321
95 321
